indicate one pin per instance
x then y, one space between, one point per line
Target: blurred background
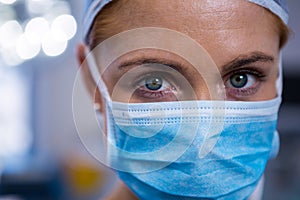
41 155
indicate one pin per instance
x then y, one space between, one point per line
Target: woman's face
240 37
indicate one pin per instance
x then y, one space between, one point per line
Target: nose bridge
208 86
202 91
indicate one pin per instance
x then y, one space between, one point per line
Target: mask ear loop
105 94
96 76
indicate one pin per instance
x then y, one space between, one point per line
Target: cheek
267 92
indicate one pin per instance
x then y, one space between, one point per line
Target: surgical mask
184 160
190 149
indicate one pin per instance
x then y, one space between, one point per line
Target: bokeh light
43 24
53 47
64 27
38 7
10 57
58 8
7 1
26 49
36 29
10 32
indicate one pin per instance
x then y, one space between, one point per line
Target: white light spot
53 47
10 57
26 49
10 32
64 27
36 29
37 7
7 1
58 8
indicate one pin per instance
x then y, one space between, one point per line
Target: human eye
243 83
151 80
156 86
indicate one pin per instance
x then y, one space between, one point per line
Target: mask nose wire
96 75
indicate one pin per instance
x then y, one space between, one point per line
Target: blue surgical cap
93 7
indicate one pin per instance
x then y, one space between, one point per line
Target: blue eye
244 83
153 83
242 80
154 87
239 80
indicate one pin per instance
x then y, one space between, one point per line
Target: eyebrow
243 60
141 61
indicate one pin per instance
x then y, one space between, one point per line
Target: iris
239 80
153 83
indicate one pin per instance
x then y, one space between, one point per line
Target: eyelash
244 92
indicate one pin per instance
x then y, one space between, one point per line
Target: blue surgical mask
192 149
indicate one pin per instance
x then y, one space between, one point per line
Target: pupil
238 80
153 83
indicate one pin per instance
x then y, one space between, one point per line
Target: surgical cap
93 7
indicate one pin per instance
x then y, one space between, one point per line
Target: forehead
223 27
225 14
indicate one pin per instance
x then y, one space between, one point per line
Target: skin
240 37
